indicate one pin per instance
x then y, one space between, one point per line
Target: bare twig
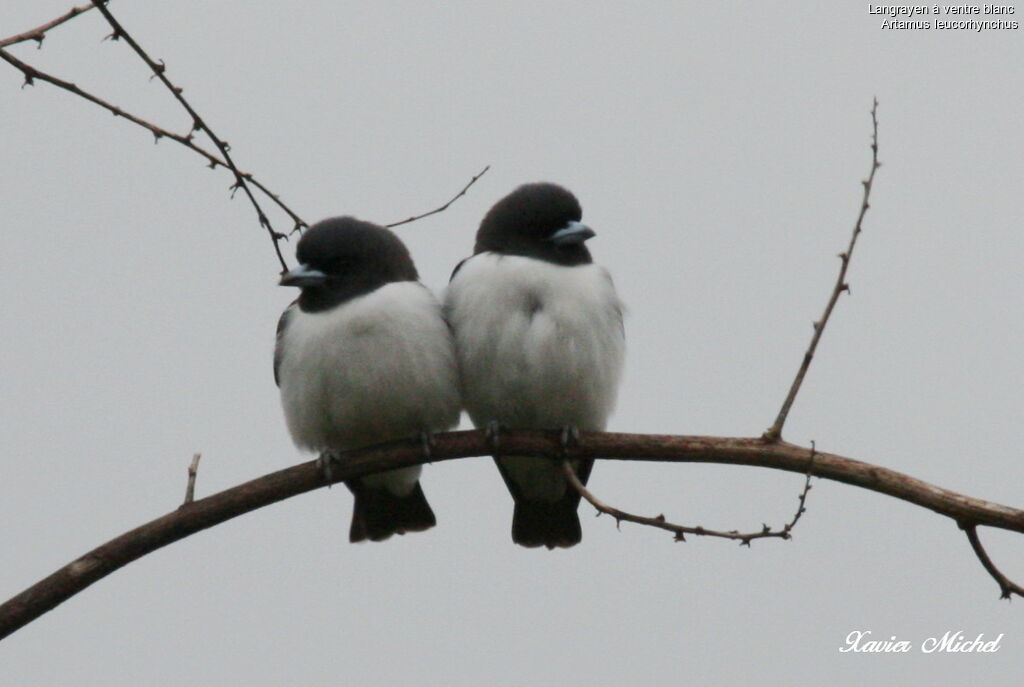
39 33
446 205
190 488
681 530
1007 587
775 431
31 74
212 510
213 160
159 70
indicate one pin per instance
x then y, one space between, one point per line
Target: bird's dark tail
378 513
546 523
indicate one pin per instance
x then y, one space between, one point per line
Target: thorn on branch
39 33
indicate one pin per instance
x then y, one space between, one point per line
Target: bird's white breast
378 367
539 344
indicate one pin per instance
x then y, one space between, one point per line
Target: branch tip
775 431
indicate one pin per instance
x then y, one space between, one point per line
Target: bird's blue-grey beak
302 276
571 234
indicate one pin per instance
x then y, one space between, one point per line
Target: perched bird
539 337
364 356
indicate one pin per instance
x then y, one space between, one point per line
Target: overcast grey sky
717 149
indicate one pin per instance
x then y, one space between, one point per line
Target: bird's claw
569 438
492 432
326 462
426 444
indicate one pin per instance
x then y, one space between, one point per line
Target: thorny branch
39 33
31 74
198 124
1007 587
187 140
681 530
774 432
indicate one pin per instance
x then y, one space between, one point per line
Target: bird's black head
538 221
342 258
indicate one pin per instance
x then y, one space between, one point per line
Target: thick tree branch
218 508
